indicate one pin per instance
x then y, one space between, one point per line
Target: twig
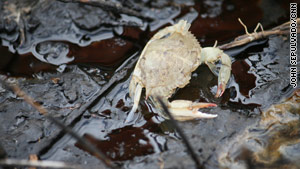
33 157
182 135
245 27
41 164
95 151
161 163
85 143
17 16
259 25
249 37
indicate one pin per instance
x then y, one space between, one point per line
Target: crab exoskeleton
166 63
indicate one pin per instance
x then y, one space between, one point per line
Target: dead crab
167 62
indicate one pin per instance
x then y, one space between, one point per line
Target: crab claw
220 90
210 55
224 74
187 110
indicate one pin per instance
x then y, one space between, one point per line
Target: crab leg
137 95
210 55
186 110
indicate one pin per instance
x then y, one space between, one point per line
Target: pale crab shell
167 63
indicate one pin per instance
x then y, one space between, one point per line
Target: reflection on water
274 142
128 142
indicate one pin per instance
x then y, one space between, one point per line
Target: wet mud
76 60
272 142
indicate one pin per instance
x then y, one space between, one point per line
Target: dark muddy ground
76 60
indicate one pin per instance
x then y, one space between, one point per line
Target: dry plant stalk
249 37
40 164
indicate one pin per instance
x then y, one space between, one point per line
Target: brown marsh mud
76 60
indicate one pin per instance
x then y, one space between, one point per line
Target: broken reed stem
40 164
28 99
65 128
182 135
249 37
